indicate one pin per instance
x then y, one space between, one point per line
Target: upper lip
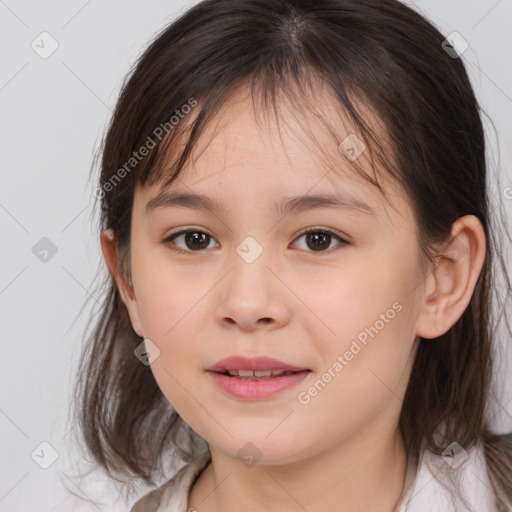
253 363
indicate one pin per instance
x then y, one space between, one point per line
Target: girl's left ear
450 285
111 256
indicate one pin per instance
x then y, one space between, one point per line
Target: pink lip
256 389
252 363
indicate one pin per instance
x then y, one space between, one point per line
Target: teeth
256 373
262 373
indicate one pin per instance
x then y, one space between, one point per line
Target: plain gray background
53 112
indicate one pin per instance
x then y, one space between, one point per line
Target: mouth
255 378
253 367
259 374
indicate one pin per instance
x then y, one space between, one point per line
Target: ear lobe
450 285
110 254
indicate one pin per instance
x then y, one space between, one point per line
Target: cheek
353 304
167 297
369 337
171 312
360 381
372 297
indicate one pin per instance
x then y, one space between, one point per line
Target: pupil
314 237
192 237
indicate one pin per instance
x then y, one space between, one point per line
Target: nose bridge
250 261
250 250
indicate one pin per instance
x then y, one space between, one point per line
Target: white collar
427 493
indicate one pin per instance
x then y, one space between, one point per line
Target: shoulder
172 496
439 476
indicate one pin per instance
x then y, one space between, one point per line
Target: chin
252 447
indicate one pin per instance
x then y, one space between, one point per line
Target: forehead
297 134
287 152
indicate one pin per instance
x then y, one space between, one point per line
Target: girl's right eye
194 240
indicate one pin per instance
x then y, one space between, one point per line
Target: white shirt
421 493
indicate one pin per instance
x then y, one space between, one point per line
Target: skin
341 451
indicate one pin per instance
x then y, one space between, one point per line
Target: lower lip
257 389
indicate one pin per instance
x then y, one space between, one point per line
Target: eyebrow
293 204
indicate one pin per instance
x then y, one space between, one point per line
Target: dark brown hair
378 52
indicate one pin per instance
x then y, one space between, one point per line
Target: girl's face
342 302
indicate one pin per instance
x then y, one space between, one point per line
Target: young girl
296 224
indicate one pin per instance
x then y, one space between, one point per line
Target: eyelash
171 237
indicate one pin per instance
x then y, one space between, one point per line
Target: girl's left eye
320 238
195 240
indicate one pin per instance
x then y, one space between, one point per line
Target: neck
365 472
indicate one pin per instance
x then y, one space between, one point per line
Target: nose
252 297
